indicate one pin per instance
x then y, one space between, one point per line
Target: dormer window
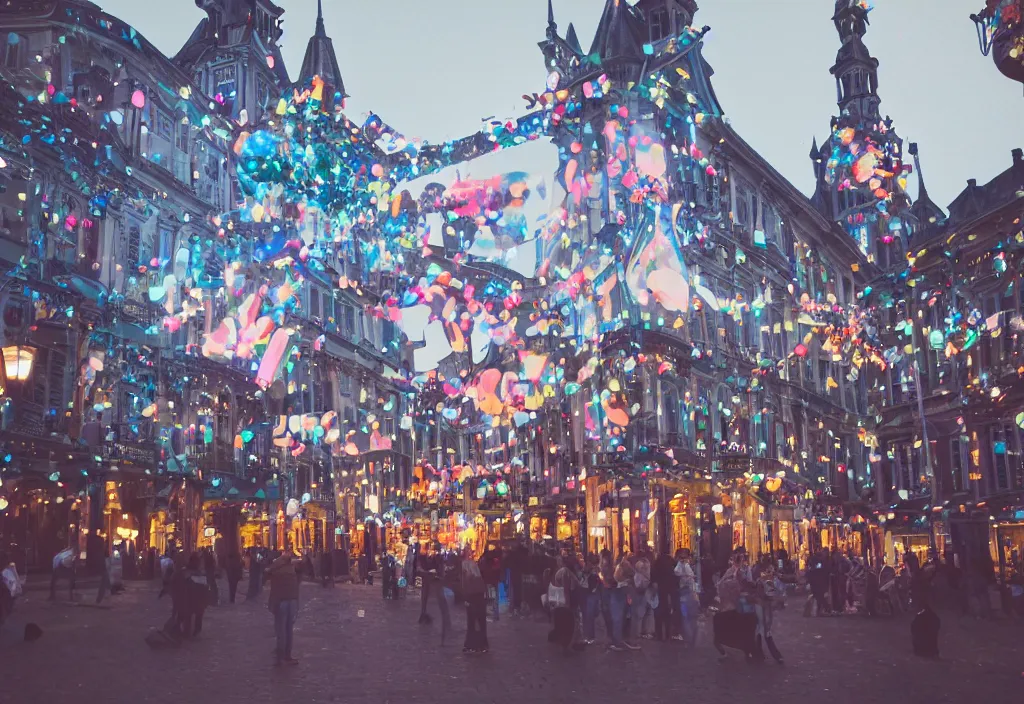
659 24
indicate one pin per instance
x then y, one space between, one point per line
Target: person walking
64 564
234 568
284 604
474 590
626 594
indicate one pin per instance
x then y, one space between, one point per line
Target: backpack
729 589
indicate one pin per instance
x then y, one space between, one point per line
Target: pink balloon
139 99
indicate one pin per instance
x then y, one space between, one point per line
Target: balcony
213 457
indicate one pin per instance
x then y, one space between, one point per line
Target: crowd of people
636 596
632 596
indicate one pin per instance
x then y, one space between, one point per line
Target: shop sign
734 465
133 455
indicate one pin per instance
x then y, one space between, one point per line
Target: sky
435 68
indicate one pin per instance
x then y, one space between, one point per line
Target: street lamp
18 361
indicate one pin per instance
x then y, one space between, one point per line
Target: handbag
556 596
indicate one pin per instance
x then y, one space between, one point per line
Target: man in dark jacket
490 568
662 574
284 604
233 567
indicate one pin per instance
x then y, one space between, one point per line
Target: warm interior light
18 361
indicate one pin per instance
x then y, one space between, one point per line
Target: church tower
859 170
855 70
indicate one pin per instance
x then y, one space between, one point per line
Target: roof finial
922 192
320 30
551 16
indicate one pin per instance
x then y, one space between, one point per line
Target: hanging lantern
18 361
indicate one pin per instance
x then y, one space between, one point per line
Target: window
958 448
742 213
314 303
224 79
164 245
1000 456
345 385
134 242
163 125
660 27
181 136
350 320
16 51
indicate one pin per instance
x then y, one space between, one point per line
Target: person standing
108 565
284 604
64 564
517 559
429 575
210 569
233 567
613 601
564 614
590 591
627 594
327 568
491 569
474 589
689 604
255 573
667 586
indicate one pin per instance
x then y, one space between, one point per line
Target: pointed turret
621 34
573 40
929 216
856 71
320 59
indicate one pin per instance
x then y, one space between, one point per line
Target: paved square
98 653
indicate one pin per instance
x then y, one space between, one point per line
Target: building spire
551 16
928 214
320 59
856 70
321 31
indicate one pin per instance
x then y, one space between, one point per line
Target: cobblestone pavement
353 646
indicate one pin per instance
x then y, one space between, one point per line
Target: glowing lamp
18 361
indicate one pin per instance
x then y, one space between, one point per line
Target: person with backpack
474 591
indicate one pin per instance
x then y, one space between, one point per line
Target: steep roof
976 200
320 59
928 215
620 33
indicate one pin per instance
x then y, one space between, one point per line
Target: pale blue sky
435 68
